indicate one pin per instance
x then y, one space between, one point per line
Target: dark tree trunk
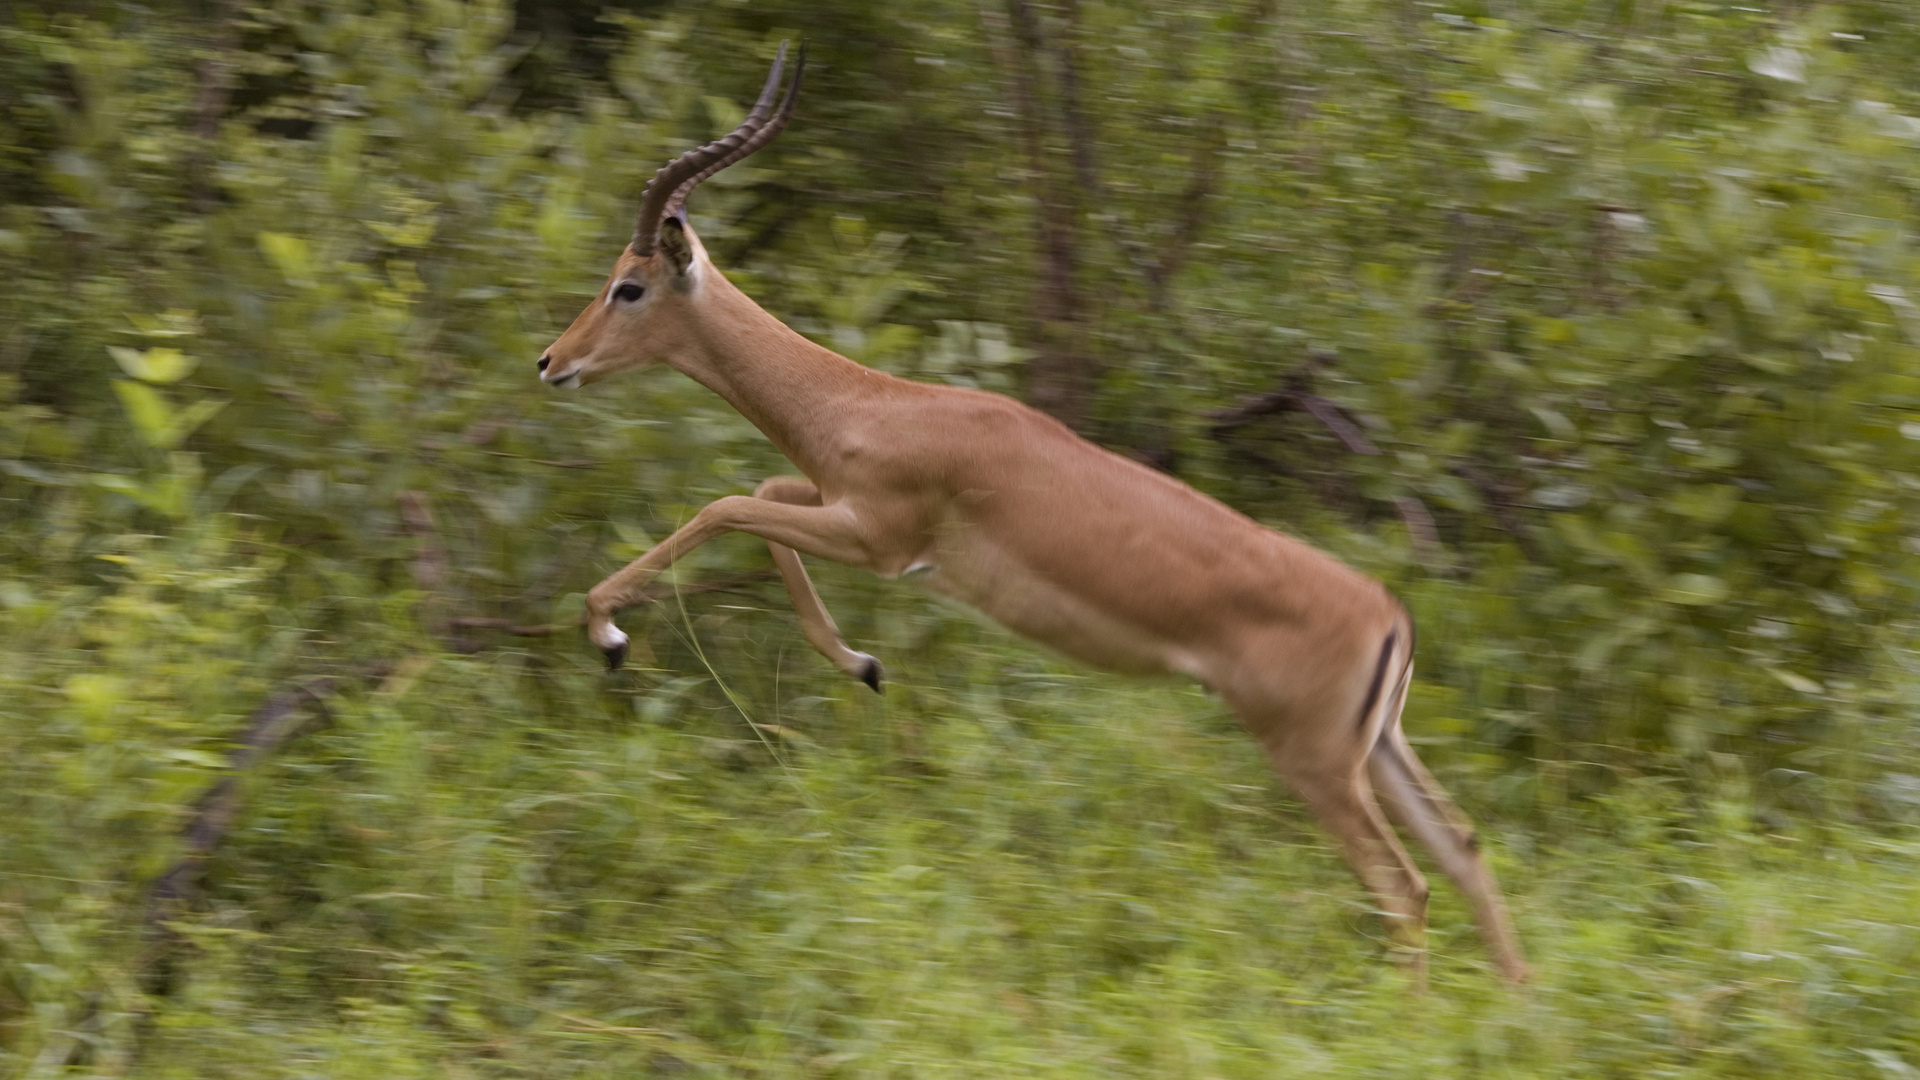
1059 374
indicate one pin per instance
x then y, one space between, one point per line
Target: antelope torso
1078 549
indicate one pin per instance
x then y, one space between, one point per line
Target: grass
508 865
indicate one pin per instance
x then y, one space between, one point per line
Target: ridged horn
667 192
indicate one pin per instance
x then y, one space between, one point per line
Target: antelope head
651 301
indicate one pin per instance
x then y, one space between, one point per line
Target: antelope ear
677 244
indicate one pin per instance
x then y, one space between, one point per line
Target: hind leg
1418 803
1344 805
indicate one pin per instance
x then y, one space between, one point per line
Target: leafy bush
1624 298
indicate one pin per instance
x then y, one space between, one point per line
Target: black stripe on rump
1379 677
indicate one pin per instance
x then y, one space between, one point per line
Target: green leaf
121 485
159 425
153 497
1796 681
190 418
725 113
1708 504
202 758
413 233
289 255
96 695
156 365
150 413
1696 590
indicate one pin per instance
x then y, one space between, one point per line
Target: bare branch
432 569
1420 530
1294 393
283 716
1343 429
583 463
481 622
1293 386
430 566
1500 503
281 719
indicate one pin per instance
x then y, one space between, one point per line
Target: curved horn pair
667 192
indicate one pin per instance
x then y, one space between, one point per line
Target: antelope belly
996 585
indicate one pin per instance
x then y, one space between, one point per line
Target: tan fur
1107 561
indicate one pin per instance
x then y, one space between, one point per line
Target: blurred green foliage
1625 294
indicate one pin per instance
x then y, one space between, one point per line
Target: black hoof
615 656
870 674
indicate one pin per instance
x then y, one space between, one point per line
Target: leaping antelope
999 506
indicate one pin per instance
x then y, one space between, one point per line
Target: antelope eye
627 292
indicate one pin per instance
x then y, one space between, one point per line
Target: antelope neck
788 387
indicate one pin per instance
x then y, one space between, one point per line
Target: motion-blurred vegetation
1591 327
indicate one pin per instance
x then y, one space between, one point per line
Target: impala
985 500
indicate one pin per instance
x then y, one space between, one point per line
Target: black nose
544 361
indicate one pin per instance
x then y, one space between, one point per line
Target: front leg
827 532
816 622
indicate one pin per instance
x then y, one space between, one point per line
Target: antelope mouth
569 381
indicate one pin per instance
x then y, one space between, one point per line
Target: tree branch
283 716
1294 393
281 719
1500 504
432 569
1421 531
